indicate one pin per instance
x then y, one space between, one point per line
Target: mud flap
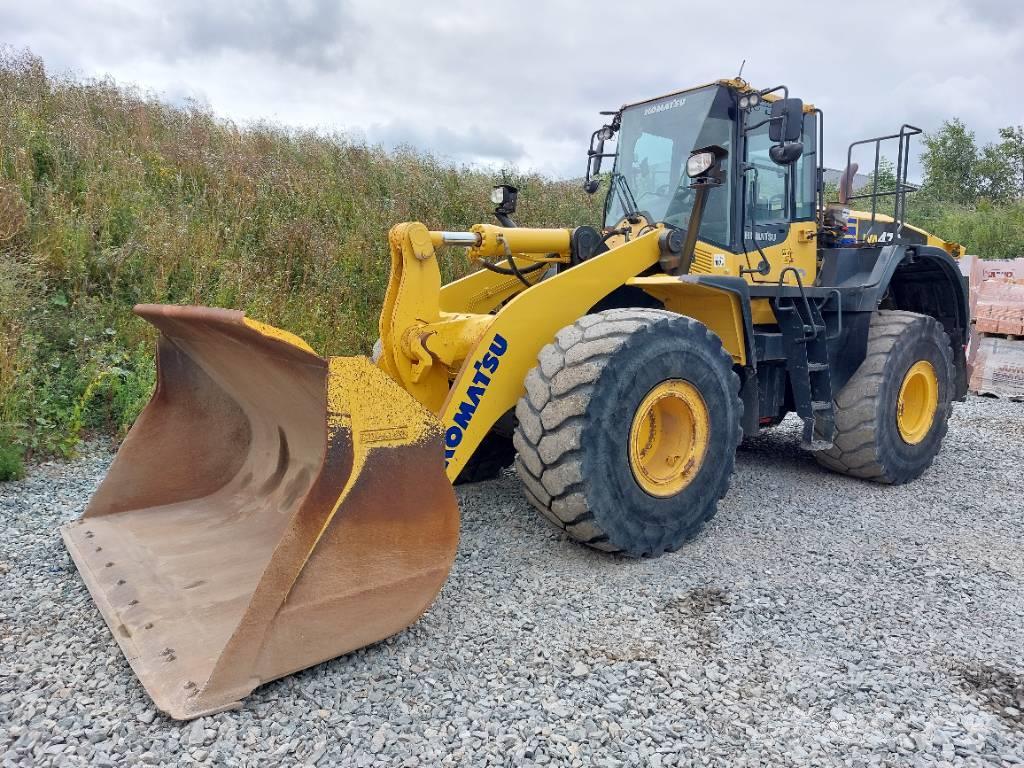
269 510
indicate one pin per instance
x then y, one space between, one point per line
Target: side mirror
787 120
596 152
786 154
594 158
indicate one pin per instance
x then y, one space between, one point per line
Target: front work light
504 197
698 163
704 165
750 100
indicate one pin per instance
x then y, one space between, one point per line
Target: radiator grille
702 263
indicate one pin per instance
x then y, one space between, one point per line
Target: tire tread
579 354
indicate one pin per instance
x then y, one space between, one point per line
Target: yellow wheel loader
272 508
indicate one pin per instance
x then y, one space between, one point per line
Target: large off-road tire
892 414
494 453
628 430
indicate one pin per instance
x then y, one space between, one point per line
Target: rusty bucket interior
270 509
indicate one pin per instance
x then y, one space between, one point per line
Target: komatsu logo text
485 368
655 109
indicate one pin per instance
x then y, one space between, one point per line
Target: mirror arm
596 153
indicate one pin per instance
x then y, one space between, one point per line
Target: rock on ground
818 620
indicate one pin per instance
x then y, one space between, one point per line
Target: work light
504 198
698 163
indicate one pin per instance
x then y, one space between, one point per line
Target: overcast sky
521 83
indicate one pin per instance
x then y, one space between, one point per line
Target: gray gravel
817 621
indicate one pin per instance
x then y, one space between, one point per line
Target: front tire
628 430
494 453
892 414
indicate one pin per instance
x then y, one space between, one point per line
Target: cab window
653 144
784 194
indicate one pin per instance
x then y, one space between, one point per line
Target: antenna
740 75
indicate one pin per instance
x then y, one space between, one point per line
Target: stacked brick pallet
1000 308
996 353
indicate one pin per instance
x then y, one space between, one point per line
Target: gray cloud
998 13
470 144
320 34
523 84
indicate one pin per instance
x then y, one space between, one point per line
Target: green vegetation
109 198
973 195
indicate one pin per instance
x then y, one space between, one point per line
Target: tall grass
109 197
990 230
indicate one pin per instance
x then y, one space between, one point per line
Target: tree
997 178
1012 147
957 170
950 163
886 176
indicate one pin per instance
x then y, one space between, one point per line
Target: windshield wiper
630 209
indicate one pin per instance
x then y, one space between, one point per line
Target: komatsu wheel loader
272 508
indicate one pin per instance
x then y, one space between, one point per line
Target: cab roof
735 83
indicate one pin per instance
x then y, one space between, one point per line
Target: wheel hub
668 438
917 402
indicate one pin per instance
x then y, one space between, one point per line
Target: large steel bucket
270 509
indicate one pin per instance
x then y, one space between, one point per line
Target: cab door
780 201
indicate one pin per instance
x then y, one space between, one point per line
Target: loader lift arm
496 351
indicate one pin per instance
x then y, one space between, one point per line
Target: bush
990 230
11 465
109 197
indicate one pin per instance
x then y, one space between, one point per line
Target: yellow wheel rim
669 438
918 400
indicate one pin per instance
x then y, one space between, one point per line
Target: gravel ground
817 621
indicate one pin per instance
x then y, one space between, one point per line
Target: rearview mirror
786 154
787 120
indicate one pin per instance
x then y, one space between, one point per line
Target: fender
722 303
916 278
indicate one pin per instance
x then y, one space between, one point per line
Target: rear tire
875 439
602 460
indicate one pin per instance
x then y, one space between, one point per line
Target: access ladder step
811 440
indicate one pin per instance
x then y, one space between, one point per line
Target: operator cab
654 141
768 175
